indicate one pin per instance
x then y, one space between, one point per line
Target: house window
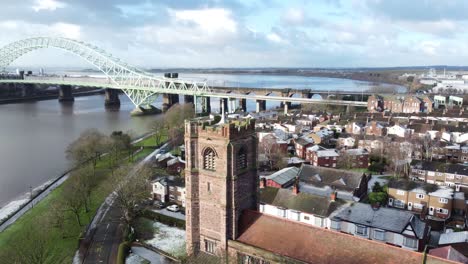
458 176
410 242
361 230
246 259
443 200
306 217
379 235
336 225
210 246
281 212
400 192
420 196
318 221
450 176
171 197
442 211
399 203
209 159
242 159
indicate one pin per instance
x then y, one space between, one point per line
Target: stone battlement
231 129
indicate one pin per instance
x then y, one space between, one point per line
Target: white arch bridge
141 87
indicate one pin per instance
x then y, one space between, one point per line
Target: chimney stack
262 183
295 189
333 196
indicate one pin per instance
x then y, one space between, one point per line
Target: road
108 228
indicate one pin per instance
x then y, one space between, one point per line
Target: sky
246 33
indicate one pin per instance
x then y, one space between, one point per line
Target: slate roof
388 219
303 141
303 202
454 237
310 244
330 177
327 153
283 176
459 169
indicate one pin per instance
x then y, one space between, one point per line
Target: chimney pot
333 196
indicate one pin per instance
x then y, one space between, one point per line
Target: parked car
173 208
159 204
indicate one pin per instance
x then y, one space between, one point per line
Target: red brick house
359 157
301 144
323 157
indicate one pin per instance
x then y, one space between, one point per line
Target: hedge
163 219
124 248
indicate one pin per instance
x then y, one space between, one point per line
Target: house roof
388 219
318 245
357 151
459 169
303 202
453 237
174 161
449 253
339 179
327 153
283 176
303 142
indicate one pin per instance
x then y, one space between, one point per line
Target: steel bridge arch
141 87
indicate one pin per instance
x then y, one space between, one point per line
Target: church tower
221 181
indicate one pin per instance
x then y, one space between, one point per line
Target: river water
34 136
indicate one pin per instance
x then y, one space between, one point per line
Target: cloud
48 5
294 16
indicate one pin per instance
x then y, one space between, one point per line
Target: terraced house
441 173
433 202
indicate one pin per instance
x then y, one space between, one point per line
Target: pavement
164 211
151 256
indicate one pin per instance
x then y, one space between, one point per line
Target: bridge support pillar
261 105
28 90
225 102
243 105
66 93
205 104
286 106
112 97
188 99
169 100
306 93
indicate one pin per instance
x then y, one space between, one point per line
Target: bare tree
272 151
159 131
89 146
83 180
345 161
174 122
72 200
130 187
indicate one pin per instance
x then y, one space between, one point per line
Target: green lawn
150 141
62 249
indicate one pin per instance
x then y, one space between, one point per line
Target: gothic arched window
242 159
209 159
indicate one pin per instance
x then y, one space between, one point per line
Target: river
34 136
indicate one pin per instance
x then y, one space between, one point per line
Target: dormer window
209 159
